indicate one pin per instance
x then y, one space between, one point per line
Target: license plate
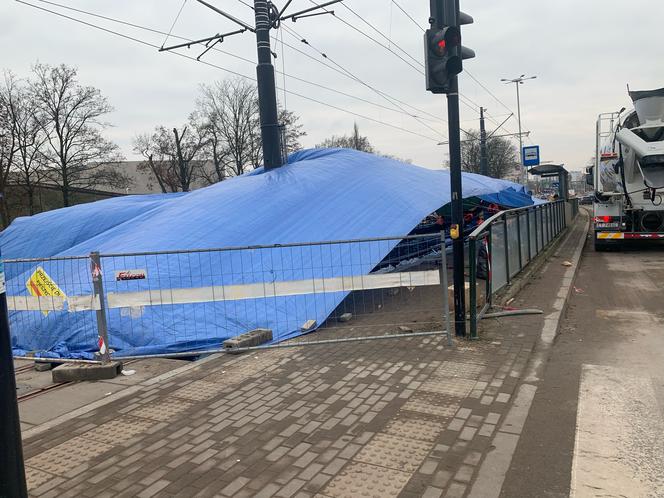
608 225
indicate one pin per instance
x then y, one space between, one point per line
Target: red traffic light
444 40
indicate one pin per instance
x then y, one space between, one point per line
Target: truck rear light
605 219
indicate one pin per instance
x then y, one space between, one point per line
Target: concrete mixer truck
628 172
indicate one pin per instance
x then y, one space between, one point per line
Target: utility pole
444 55
267 94
12 472
267 17
519 81
484 158
457 209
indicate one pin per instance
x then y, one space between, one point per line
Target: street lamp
519 81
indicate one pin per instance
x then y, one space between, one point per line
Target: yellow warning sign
40 284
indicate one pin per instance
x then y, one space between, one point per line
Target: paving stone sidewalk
405 417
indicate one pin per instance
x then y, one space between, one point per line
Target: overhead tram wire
333 68
230 54
392 100
230 71
408 15
174 22
343 71
470 75
362 82
473 106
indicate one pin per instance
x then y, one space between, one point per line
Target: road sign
531 155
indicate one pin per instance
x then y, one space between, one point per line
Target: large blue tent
320 195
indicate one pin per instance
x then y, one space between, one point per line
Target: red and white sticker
131 275
102 345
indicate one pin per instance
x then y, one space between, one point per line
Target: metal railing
174 303
503 245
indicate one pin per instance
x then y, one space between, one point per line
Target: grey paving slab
401 417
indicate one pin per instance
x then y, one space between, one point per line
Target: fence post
489 277
12 472
518 239
98 292
530 249
444 283
535 213
472 256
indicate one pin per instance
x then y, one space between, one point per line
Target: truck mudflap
629 235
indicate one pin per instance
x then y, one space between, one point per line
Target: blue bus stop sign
530 155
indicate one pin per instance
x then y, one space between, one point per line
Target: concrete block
346 317
43 366
73 372
308 326
252 338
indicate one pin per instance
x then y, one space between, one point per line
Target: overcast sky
583 53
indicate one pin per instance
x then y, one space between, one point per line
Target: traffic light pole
457 208
267 94
484 157
12 473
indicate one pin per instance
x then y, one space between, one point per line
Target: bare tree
173 157
28 164
70 115
293 130
229 110
8 138
502 155
352 141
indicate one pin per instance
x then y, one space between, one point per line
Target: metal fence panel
49 299
498 256
532 222
513 246
515 237
523 238
189 301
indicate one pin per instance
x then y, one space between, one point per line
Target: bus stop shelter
554 171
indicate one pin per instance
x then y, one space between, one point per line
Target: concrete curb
494 468
36 431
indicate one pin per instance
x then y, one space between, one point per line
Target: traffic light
443 50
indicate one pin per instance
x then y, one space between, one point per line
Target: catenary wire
362 82
174 22
473 106
244 59
146 43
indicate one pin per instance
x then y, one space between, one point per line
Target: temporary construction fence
132 305
503 245
186 303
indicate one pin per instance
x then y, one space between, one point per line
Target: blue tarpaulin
320 195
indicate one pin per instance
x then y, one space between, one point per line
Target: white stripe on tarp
83 303
260 290
35 303
272 289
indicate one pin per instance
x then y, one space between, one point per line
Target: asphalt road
596 425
